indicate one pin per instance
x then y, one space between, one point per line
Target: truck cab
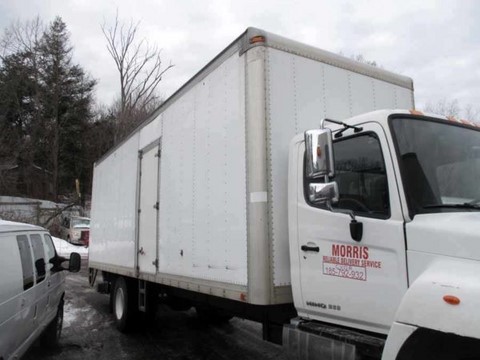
384 214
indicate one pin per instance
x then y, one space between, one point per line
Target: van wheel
124 305
51 336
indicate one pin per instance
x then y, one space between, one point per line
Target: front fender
424 306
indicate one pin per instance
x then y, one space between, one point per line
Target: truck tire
124 305
51 337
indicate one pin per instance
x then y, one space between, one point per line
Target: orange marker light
415 112
452 300
257 39
319 151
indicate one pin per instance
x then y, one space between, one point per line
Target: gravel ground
89 333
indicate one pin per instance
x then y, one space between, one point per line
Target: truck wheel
51 336
124 310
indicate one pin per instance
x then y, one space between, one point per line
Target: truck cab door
354 283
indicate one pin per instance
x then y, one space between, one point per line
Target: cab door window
26 259
38 257
361 176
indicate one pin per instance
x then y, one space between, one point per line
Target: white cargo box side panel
114 207
203 229
150 132
301 92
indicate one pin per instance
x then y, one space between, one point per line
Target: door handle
310 248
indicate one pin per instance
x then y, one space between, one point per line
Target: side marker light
452 300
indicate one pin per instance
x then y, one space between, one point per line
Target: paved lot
89 333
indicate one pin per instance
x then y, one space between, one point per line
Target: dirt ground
90 334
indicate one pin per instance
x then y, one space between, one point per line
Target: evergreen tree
67 98
17 114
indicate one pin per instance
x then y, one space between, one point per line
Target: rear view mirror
75 262
40 267
319 153
320 194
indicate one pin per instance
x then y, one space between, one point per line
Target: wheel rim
119 303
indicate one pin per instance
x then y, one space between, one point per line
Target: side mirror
40 267
322 193
75 262
319 151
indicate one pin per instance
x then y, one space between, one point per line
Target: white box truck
354 239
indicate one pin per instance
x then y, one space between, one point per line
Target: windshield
80 222
440 164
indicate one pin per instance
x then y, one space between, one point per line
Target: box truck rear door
148 209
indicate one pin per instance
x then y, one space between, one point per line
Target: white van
31 288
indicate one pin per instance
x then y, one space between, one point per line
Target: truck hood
454 234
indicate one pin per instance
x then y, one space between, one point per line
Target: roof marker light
415 112
257 39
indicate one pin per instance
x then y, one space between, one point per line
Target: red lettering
335 250
349 251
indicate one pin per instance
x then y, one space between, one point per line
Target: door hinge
155 262
156 206
159 153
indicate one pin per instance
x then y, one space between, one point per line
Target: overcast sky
437 43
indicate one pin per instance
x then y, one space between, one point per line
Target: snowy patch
82 317
64 248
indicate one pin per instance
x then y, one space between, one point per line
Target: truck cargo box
196 197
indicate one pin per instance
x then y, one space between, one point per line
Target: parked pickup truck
76 230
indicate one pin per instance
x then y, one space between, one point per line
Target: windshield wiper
455 206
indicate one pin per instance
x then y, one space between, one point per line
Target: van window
26 257
49 250
38 256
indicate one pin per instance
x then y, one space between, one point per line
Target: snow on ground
64 248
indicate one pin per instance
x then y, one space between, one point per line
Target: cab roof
11 226
382 115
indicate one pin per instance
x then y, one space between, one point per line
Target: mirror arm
341 211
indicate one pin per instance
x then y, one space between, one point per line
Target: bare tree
452 108
140 69
361 59
22 37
